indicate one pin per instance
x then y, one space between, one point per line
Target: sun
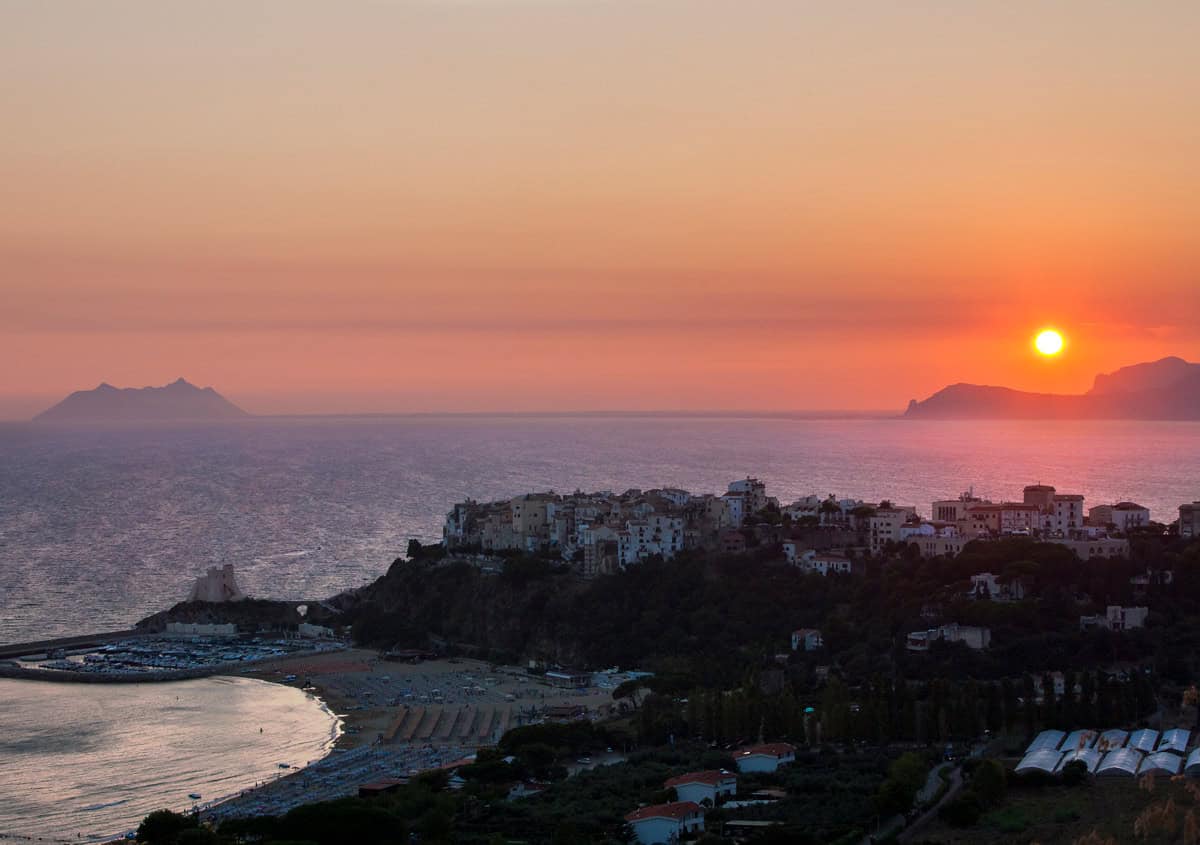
1049 342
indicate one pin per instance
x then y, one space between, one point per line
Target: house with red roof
699 787
664 823
765 758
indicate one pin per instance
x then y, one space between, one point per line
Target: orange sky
581 204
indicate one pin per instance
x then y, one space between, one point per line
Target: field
1063 814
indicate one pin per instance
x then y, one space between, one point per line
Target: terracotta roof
771 749
677 810
712 778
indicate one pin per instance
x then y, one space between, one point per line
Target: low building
806 639
823 563
703 788
969 635
665 823
200 629
765 758
567 679
1101 547
1116 618
985 585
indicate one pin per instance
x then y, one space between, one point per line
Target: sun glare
1049 342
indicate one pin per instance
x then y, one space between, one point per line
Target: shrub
963 811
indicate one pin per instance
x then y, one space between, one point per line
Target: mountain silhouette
1168 389
176 402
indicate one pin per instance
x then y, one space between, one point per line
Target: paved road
956 783
925 794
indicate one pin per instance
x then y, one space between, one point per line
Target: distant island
1168 389
179 401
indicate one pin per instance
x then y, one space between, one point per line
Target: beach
400 719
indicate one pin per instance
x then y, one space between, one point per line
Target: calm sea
82 761
101 528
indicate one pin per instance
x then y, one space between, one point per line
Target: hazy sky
578 205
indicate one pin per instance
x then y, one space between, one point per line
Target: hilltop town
599 533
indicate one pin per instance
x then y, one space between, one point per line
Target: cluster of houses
602 532
698 792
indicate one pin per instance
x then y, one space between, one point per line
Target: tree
989 783
162 827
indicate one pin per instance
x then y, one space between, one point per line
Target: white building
969 635
753 492
704 788
665 823
1116 618
765 758
735 508
1122 516
657 534
985 585
806 639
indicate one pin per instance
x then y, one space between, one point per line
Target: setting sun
1049 342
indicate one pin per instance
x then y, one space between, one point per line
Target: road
956 783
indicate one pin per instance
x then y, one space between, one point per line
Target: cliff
1168 389
179 401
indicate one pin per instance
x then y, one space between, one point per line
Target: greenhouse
1045 741
1175 740
1144 740
1122 762
1193 763
1162 763
1042 760
1079 740
1090 758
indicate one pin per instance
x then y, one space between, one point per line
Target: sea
86 761
102 527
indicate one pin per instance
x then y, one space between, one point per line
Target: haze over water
101 528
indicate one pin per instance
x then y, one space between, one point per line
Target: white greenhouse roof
1111 739
1090 757
1144 740
1042 760
1193 762
1163 761
1123 761
1175 740
1045 741
1077 740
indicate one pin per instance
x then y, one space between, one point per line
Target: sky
516 205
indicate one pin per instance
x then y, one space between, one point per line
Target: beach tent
1046 741
1175 740
1144 740
1090 758
1162 763
1121 762
1043 760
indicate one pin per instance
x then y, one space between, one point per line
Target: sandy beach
399 719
